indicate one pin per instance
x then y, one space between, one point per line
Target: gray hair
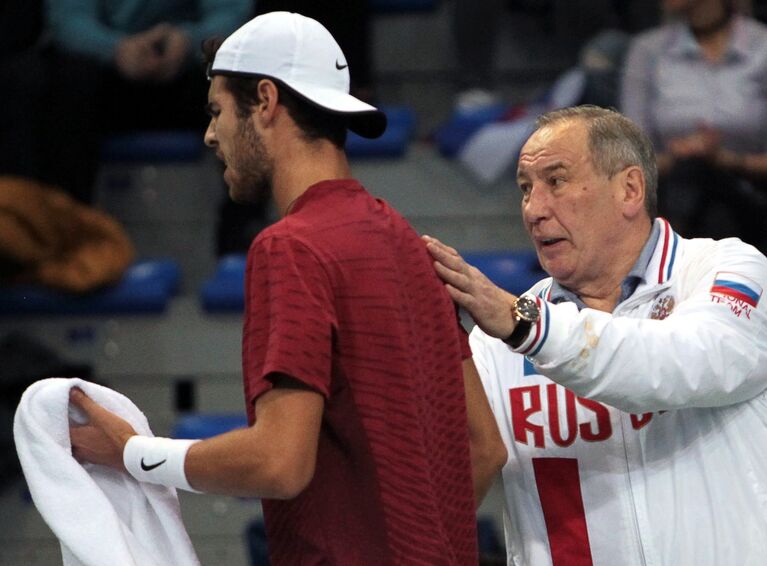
615 142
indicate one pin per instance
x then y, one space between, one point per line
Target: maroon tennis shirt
341 294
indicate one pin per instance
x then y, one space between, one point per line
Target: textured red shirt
341 295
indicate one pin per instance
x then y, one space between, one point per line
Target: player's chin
247 192
234 183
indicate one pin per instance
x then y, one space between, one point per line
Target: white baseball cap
299 52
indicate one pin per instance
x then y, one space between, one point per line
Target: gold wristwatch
525 313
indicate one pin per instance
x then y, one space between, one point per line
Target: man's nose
536 205
210 135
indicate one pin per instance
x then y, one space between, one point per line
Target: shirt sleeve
290 316
711 350
78 26
75 25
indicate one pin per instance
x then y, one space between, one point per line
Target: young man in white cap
358 378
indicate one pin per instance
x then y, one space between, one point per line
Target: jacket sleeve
711 351
75 25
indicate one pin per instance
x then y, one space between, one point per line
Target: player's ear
268 96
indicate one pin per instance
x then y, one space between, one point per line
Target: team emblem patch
662 307
738 287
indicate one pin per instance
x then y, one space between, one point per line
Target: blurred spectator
125 65
698 85
476 26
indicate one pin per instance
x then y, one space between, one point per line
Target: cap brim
364 119
370 124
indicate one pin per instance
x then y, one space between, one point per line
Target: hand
102 440
169 50
704 143
488 305
176 49
136 57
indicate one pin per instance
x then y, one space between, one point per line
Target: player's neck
299 168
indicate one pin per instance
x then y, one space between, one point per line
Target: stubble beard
253 182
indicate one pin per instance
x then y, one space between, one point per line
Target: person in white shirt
636 424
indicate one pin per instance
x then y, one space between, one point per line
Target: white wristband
158 460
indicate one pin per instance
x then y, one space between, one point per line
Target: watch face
527 309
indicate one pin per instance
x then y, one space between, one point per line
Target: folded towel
100 515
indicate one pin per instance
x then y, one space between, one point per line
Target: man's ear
633 185
268 97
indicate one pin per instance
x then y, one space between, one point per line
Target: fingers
452 276
93 410
77 435
445 255
463 299
435 246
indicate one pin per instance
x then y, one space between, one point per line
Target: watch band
519 334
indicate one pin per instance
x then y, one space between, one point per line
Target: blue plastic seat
206 425
146 287
224 291
513 270
451 136
400 129
153 146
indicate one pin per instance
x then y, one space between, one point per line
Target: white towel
100 516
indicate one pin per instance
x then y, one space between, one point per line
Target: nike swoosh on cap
339 66
149 467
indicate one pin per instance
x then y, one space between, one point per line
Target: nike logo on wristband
150 467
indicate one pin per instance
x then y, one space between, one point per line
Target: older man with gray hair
635 416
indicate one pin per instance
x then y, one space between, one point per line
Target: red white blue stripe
668 254
541 330
737 286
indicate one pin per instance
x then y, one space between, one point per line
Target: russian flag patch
738 287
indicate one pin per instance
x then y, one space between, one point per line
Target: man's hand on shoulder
488 304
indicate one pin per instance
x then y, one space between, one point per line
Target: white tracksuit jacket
656 453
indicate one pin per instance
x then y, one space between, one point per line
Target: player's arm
488 452
274 458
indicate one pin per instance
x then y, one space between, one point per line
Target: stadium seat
451 136
205 425
224 291
401 123
146 287
513 270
